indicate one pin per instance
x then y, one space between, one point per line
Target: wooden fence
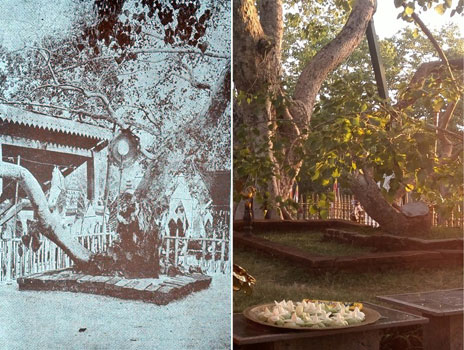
211 254
16 260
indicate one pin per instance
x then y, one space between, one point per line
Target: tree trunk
389 218
50 224
257 73
150 195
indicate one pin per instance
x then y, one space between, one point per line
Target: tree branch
47 59
61 108
330 56
425 70
89 94
191 78
52 228
434 43
183 52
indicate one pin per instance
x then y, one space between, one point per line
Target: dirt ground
74 321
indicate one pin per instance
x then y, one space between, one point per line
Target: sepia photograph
115 174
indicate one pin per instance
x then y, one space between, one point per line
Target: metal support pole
374 51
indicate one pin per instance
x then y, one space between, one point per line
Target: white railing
16 260
211 255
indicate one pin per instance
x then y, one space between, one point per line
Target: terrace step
391 242
362 262
160 290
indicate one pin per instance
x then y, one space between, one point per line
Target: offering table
250 335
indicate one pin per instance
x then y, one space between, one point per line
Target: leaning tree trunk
150 200
403 220
50 224
257 73
390 219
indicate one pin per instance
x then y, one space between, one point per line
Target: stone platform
160 290
377 261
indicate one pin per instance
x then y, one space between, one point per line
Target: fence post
168 248
176 247
203 253
8 261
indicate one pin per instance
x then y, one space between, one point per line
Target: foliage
103 72
440 6
351 128
353 131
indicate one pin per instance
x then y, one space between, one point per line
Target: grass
311 242
277 280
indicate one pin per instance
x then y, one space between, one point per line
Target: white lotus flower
299 309
273 319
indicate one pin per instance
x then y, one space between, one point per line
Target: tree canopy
352 130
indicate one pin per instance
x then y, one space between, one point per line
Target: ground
52 320
278 279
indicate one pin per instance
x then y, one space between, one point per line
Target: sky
21 21
386 23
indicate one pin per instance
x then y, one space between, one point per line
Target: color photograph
348 174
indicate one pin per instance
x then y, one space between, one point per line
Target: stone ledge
364 262
391 242
296 225
160 291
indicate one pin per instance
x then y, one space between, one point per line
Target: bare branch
183 52
61 108
434 43
89 94
191 78
47 60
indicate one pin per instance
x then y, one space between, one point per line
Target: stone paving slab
154 290
362 262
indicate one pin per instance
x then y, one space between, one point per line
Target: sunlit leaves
440 7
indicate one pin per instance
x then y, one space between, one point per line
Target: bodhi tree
154 70
273 157
383 150
281 121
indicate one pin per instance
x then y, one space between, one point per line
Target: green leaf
440 9
312 210
409 187
315 176
408 10
324 213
